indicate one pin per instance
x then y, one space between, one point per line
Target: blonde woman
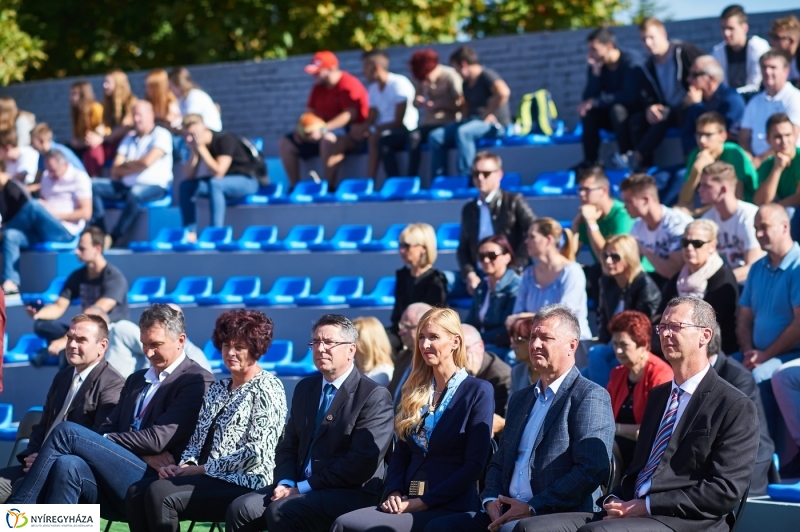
12 118
373 350
165 104
118 102
418 281
554 277
443 426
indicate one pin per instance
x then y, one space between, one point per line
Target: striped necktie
662 440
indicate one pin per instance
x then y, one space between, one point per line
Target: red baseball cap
324 59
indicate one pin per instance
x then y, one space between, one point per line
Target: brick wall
264 98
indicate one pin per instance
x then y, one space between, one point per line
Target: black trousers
160 505
314 511
588 522
415 140
392 141
649 135
614 118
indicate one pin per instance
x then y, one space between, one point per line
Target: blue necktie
327 395
662 440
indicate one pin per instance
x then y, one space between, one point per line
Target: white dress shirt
485 227
154 379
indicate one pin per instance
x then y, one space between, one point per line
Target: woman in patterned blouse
232 450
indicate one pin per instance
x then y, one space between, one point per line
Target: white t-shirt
666 238
398 89
28 164
200 103
134 147
761 107
62 195
737 234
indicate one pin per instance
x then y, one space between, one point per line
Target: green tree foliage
92 36
18 50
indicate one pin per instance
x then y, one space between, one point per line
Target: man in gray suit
556 447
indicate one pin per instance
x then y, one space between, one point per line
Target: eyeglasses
482 173
329 344
586 190
674 327
615 257
696 244
706 134
406 326
490 256
696 75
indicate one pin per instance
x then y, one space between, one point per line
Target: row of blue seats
199 290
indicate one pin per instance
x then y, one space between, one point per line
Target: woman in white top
373 350
193 100
12 118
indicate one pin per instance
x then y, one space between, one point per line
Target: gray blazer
571 456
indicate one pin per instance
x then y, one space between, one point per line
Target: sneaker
622 161
315 176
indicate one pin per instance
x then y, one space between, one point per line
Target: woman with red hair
630 383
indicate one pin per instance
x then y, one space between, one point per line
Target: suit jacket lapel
309 416
339 400
515 429
649 428
558 405
93 376
692 409
163 388
62 389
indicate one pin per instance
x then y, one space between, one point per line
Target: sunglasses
696 244
615 257
406 245
696 75
491 256
482 173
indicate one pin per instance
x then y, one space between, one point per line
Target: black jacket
642 295
708 461
430 288
617 86
511 217
498 374
684 54
93 402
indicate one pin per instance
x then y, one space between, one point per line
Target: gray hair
703 314
415 311
348 330
163 316
566 318
715 345
711 67
471 334
57 155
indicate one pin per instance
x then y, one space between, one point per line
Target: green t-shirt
787 185
745 171
616 222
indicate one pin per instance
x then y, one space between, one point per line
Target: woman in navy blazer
443 426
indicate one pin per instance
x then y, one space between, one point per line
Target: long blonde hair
8 113
120 104
372 348
156 90
551 227
417 388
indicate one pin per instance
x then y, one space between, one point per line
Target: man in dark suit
85 393
149 428
494 212
556 447
331 458
696 449
740 377
491 368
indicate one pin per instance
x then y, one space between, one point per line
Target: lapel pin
329 417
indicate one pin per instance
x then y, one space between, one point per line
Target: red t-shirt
329 102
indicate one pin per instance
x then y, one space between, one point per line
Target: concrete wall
264 98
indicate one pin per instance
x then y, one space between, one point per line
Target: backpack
537 114
259 164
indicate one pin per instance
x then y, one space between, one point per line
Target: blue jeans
601 360
135 196
462 136
74 463
31 224
218 191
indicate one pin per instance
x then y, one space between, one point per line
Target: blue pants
76 465
462 136
31 225
134 197
601 360
218 191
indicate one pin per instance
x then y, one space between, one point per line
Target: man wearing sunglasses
494 212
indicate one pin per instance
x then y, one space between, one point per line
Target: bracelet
594 227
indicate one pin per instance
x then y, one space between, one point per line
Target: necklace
434 404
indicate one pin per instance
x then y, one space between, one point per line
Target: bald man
407 330
142 171
491 368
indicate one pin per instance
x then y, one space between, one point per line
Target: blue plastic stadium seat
214 356
346 237
267 194
283 292
252 239
381 296
72 245
559 183
48 296
573 137
300 368
349 191
27 344
8 429
145 288
335 291
784 492
615 177
395 188
299 238
233 291
166 201
304 192
280 353
388 242
511 181
208 240
187 290
447 235
534 139
164 241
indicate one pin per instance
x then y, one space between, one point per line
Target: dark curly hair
636 324
252 327
423 62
